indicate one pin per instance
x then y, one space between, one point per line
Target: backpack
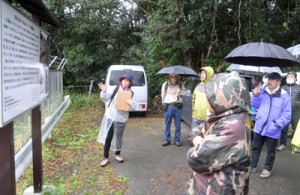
166 87
179 83
115 92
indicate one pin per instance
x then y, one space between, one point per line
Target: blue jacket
273 112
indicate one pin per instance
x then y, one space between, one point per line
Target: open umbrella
295 50
179 70
253 70
262 54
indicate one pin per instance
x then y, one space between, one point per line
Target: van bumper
140 107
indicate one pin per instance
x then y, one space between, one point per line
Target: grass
72 156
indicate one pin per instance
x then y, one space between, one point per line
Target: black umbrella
178 70
261 54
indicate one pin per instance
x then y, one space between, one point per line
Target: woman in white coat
114 120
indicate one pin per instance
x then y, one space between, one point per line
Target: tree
157 33
93 35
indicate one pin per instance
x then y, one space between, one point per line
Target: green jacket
199 101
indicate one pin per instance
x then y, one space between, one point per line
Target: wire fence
22 124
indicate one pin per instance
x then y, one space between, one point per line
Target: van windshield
138 77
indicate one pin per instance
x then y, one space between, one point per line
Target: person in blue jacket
273 106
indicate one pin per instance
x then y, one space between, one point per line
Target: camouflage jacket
221 162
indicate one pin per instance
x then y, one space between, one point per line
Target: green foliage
123 178
94 35
154 81
80 99
50 190
154 34
71 157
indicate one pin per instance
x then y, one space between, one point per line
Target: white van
139 83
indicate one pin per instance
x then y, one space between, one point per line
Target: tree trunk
182 33
213 36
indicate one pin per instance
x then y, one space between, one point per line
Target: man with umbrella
273 106
171 92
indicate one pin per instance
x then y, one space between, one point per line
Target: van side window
138 77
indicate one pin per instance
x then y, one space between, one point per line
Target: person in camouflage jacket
220 158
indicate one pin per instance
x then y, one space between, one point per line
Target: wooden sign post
37 150
7 160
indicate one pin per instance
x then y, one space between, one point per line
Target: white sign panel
22 76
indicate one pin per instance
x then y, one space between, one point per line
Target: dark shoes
166 143
177 143
253 170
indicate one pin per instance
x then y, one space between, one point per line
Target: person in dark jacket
220 158
273 106
293 90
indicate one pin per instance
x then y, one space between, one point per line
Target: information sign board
22 77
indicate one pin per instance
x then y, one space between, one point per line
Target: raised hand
102 86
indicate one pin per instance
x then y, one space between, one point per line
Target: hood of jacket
209 73
227 94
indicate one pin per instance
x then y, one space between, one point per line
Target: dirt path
153 169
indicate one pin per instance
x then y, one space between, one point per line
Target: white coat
115 117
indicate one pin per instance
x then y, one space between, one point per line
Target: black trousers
294 122
258 142
108 140
283 137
